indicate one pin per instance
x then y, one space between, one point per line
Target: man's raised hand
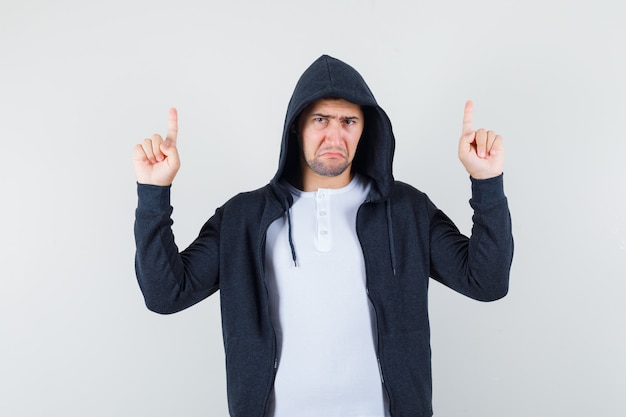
481 151
155 160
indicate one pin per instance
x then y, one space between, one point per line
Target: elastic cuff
489 190
153 197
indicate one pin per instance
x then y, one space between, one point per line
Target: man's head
369 150
329 131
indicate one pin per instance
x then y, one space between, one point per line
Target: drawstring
293 249
392 248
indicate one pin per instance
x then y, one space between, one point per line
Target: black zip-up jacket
405 240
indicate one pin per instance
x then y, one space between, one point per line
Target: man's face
330 130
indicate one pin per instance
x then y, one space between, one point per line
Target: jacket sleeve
171 281
479 266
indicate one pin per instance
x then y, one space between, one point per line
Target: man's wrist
153 197
488 190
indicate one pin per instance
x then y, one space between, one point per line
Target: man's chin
329 169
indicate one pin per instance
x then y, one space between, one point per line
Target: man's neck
313 182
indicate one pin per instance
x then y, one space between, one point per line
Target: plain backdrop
82 82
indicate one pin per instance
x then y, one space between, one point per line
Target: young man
323 273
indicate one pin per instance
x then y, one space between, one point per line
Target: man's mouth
333 154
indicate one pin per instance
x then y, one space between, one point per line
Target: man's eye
350 122
319 119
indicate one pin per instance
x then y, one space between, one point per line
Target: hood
329 77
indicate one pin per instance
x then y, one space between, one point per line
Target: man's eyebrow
328 116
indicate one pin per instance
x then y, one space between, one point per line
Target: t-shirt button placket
323 224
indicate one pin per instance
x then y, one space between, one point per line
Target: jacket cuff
153 197
489 190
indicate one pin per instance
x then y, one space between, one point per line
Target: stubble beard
328 169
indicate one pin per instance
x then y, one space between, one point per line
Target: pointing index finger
172 128
468 118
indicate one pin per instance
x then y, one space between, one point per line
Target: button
322 213
323 232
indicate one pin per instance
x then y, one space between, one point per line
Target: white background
82 82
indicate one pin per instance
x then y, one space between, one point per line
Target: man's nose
333 133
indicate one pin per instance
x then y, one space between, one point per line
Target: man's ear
295 126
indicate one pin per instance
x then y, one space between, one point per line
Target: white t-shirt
327 362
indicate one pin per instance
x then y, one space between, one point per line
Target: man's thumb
166 147
169 150
171 154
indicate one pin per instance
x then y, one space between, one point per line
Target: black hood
329 77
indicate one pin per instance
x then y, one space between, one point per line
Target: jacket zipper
261 262
380 366
378 343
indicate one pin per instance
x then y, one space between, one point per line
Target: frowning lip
332 153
